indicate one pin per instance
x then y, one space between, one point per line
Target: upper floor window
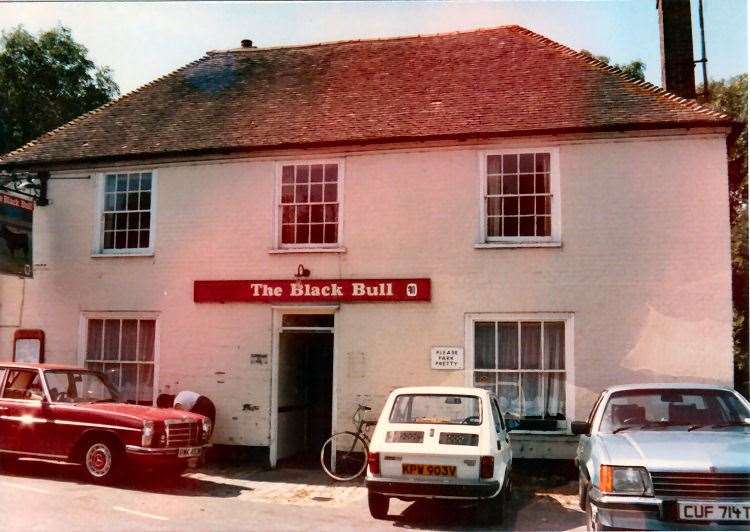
309 205
126 224
520 191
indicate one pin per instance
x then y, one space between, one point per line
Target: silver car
666 456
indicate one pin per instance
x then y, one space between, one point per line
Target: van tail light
373 461
487 467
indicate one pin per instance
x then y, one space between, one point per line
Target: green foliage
730 97
602 58
635 69
46 81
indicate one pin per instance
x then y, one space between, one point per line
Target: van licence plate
427 470
710 511
187 452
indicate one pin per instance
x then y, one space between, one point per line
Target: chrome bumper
651 513
433 489
159 451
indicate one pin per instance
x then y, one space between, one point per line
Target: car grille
182 434
702 485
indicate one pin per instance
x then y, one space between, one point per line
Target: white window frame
97 245
567 317
337 246
555 238
122 315
277 318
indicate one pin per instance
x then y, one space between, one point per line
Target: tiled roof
493 82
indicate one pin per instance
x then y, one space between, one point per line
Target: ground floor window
523 363
123 349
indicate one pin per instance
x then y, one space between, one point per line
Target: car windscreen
444 409
672 409
79 387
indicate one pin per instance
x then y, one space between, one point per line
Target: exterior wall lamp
302 272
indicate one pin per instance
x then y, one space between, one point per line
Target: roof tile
492 82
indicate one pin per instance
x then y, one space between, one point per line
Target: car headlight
206 428
147 434
623 480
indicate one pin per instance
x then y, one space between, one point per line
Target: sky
141 41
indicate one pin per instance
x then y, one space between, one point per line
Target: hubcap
98 460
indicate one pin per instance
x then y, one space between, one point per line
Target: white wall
644 268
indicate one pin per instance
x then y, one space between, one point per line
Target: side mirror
512 424
580 428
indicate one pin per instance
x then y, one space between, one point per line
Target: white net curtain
523 363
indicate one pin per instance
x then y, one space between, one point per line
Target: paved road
49 496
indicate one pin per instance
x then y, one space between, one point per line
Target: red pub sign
312 290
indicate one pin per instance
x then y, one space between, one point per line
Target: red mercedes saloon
73 414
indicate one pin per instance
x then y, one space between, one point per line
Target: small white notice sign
447 358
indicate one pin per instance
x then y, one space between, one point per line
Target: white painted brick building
623 274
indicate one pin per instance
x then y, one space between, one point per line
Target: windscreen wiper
662 424
730 424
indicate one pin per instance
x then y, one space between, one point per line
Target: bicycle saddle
365 408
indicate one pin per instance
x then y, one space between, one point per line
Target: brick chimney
676 41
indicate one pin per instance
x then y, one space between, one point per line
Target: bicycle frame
361 434
360 422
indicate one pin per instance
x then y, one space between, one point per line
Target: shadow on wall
668 325
660 334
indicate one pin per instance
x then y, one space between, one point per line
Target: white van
440 442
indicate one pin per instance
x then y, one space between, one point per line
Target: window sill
495 245
120 255
558 432
278 251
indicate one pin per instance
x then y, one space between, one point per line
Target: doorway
305 388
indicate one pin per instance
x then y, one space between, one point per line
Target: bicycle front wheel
344 456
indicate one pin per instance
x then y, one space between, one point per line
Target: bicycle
350 457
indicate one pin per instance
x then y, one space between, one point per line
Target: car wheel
101 461
378 505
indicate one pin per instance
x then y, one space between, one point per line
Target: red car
73 414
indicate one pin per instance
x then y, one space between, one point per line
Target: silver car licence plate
712 511
187 452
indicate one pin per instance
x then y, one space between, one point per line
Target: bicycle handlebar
358 413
